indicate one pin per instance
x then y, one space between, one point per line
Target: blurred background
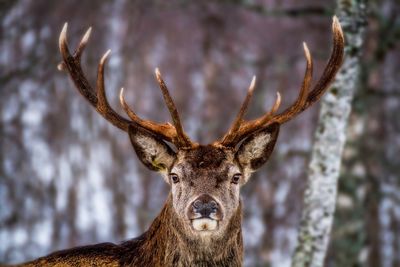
68 178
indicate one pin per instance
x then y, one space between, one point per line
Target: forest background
68 178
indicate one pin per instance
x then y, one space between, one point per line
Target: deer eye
174 178
236 178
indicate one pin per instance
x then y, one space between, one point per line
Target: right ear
151 150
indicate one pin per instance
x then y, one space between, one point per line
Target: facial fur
205 180
205 170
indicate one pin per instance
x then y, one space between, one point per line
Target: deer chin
204 225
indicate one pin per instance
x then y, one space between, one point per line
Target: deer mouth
204 224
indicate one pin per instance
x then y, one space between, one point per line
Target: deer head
205 180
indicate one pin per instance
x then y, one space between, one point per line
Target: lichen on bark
324 168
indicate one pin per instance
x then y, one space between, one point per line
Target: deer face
205 184
205 181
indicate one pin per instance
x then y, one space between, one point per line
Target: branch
311 10
290 12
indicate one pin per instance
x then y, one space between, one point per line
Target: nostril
213 204
197 204
205 205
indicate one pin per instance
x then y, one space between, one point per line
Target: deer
200 222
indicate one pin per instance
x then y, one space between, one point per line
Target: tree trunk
324 168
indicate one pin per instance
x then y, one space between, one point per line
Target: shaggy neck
171 246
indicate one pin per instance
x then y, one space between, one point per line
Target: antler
240 128
72 63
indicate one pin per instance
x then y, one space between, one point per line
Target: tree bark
324 168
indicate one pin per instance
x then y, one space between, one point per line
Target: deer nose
205 205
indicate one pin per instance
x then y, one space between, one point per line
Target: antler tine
131 114
102 103
247 127
73 66
165 131
82 44
332 67
62 41
242 112
305 98
301 100
182 139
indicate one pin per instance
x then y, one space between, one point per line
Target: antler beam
240 129
98 99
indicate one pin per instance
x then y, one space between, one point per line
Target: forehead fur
208 156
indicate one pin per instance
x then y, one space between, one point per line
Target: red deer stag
200 223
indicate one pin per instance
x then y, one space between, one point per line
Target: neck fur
170 245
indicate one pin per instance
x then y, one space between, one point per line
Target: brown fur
172 239
164 244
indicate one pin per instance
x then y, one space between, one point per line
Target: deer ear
256 148
150 149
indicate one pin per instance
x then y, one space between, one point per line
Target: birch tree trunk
324 168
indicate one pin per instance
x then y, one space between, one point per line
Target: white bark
324 168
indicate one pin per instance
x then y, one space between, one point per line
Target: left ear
256 148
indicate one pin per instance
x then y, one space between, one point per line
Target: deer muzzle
204 213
